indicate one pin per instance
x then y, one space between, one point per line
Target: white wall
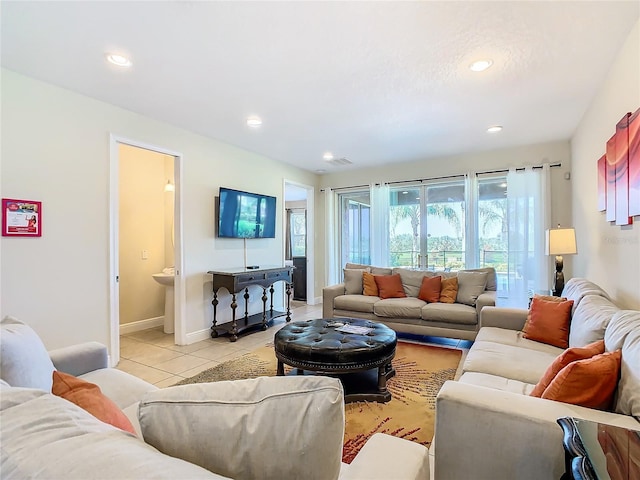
607 254
55 148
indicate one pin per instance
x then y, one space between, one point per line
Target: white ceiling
375 82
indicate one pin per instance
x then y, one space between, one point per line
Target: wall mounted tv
246 215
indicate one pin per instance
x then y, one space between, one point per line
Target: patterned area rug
420 372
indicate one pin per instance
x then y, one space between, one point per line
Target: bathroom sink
165 279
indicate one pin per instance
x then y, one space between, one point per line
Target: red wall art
21 218
619 172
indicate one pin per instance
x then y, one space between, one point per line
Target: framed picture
21 218
602 183
634 163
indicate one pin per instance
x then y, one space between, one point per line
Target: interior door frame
114 250
310 249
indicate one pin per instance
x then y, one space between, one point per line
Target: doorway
146 246
298 235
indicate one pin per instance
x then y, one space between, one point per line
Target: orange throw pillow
369 286
589 383
430 289
449 290
564 359
89 397
389 286
548 322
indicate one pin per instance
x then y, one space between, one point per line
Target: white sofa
410 314
270 427
488 427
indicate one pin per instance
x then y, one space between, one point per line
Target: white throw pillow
267 427
24 360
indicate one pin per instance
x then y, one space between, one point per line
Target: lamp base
558 281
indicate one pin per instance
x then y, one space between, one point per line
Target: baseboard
317 301
198 336
141 325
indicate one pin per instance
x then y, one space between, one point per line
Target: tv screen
246 215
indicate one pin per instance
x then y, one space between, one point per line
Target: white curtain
472 249
528 203
379 224
330 244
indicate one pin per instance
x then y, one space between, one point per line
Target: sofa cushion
590 319
44 436
449 313
496 383
516 339
353 281
374 270
430 289
267 427
390 286
369 285
624 332
88 396
355 303
492 278
577 288
470 286
408 307
412 280
564 359
548 322
24 361
449 289
509 361
589 383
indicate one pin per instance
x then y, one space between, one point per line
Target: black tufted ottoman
361 361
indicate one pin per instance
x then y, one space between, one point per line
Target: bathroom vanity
236 281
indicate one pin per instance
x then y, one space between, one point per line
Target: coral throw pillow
449 290
89 397
564 359
548 322
389 286
589 383
369 286
430 289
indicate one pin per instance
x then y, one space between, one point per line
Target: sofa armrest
485 299
80 359
328 295
484 434
384 457
502 317
268 427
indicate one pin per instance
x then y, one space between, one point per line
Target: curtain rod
519 169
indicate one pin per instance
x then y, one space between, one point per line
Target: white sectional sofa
270 427
488 427
410 314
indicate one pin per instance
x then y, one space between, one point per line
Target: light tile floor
152 355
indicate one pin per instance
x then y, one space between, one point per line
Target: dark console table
237 280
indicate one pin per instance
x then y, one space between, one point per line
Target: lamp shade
561 241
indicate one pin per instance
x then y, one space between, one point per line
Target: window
298 232
493 233
354 227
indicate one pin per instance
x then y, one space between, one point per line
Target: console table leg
264 308
289 285
234 326
246 304
271 304
280 370
214 302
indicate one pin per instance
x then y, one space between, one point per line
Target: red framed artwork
602 183
21 218
634 163
611 179
622 172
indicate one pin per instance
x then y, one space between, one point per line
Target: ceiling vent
340 161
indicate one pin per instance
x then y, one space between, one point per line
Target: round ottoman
361 360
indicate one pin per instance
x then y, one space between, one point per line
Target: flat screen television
246 215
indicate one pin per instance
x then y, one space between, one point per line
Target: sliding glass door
355 227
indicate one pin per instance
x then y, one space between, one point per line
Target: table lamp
560 241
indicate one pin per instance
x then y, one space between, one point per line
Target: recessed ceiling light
254 121
328 156
494 129
480 65
119 60
320 170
